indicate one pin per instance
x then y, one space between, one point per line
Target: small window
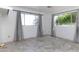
29 19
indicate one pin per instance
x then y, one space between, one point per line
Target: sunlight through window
28 19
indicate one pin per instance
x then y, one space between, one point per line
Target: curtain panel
39 28
19 30
77 28
52 27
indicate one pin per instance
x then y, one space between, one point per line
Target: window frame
62 13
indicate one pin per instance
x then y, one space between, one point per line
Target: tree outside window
66 18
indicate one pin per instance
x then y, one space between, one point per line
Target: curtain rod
29 12
65 11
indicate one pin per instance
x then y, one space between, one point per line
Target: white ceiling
44 9
36 7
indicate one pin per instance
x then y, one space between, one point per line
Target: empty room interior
39 29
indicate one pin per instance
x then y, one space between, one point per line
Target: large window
29 19
65 18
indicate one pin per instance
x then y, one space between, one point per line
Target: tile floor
44 44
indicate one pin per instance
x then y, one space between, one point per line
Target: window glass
22 19
29 19
65 19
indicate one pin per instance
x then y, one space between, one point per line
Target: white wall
66 32
47 17
31 31
59 30
8 23
7 27
46 22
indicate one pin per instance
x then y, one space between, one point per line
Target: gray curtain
77 29
39 29
19 31
7 11
52 27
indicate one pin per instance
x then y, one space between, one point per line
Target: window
29 19
66 18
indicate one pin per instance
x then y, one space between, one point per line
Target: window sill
71 25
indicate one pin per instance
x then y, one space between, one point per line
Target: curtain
77 29
19 31
52 27
39 29
7 11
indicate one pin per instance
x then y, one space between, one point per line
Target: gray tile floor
44 44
